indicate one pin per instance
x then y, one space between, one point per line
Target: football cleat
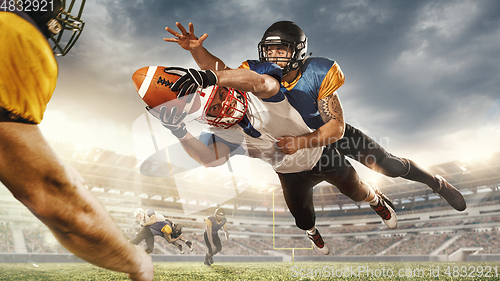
449 193
385 209
190 245
179 246
208 258
318 243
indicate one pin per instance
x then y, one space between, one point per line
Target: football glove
170 121
191 79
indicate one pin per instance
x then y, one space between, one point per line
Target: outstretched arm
209 156
246 80
57 196
188 41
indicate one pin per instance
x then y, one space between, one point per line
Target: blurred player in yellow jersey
28 167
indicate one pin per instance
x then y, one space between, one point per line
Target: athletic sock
374 201
312 232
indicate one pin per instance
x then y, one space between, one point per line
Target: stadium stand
426 223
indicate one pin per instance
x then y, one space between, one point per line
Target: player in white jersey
256 121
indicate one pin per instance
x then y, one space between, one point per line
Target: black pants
335 169
145 234
217 243
360 147
332 168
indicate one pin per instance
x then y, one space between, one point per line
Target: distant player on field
29 168
154 224
213 225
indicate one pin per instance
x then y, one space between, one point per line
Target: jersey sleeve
333 80
210 138
267 68
167 229
208 222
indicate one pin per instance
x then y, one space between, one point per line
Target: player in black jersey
213 225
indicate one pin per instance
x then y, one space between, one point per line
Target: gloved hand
169 120
191 79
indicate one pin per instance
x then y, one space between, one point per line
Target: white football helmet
232 106
140 214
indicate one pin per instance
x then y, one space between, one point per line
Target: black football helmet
289 35
56 19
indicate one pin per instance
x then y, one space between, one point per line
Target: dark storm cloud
415 70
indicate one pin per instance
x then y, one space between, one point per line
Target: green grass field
262 271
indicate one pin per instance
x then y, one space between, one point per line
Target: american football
153 84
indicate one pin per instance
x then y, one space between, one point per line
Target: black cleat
179 246
208 258
449 193
190 245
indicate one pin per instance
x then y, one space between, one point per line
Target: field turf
263 271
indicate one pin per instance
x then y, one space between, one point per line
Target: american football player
54 193
251 123
310 83
155 224
212 240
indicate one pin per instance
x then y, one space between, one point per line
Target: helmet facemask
295 53
233 107
64 21
219 214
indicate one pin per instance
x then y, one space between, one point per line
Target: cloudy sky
422 77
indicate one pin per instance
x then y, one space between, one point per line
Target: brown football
153 84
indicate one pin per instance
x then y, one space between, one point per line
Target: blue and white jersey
269 120
319 78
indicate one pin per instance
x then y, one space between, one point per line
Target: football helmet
176 229
140 212
288 35
57 19
223 107
219 213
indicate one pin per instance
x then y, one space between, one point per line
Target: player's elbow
266 87
335 131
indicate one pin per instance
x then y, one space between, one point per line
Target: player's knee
392 166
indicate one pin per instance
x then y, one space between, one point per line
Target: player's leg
145 234
179 246
150 240
335 169
187 242
208 255
298 193
357 145
217 243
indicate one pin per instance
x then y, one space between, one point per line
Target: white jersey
272 120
